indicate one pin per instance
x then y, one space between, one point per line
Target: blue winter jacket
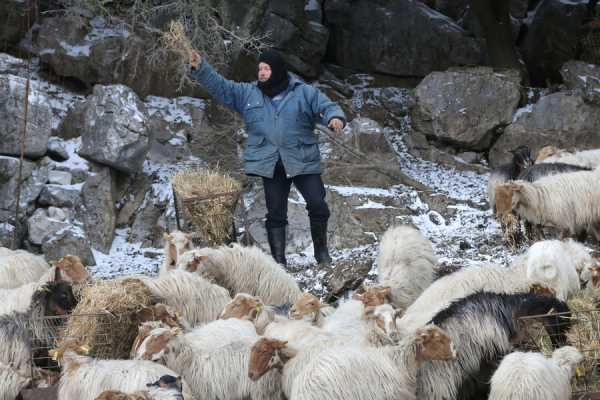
285 131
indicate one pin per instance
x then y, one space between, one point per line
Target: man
280 112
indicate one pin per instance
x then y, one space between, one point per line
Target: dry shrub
105 318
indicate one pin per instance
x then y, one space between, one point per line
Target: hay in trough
105 319
176 40
209 196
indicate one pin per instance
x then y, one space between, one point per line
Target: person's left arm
329 113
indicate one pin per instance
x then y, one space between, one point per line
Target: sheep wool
406 264
18 267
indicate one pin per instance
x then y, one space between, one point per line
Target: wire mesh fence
543 333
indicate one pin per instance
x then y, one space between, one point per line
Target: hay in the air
175 39
105 319
209 196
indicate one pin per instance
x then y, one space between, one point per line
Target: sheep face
265 355
545 152
168 382
151 344
71 269
522 157
160 312
432 343
306 308
567 357
374 296
176 243
193 264
507 198
57 297
243 306
384 316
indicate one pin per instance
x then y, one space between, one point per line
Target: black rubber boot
276 238
318 231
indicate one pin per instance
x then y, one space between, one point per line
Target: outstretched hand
195 59
336 124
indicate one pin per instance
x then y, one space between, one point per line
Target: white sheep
584 158
198 300
18 267
406 264
176 243
214 359
531 376
347 372
85 378
546 260
569 202
11 382
244 269
67 269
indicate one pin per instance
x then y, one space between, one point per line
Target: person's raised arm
229 93
329 112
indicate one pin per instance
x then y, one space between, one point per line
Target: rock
347 275
100 215
131 192
469 157
584 79
314 10
60 196
70 240
59 177
12 112
465 107
95 51
6 234
58 213
16 17
303 42
34 178
115 129
41 225
561 119
57 150
381 38
552 38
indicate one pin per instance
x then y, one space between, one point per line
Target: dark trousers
277 191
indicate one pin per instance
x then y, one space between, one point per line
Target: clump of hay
105 319
209 196
175 39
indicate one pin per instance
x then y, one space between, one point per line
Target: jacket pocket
255 148
254 113
309 148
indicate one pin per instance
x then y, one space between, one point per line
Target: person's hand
336 124
195 59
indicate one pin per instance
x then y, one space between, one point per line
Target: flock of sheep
230 323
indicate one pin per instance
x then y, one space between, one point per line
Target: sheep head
193 264
243 306
508 196
384 316
113 395
432 343
176 243
306 308
567 358
152 341
160 312
265 355
71 269
70 352
168 382
374 296
545 152
56 297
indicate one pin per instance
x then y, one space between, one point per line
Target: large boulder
33 179
379 36
69 240
45 223
552 38
12 114
114 128
95 51
100 215
561 119
583 78
465 107
16 17
60 196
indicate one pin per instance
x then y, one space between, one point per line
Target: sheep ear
358 296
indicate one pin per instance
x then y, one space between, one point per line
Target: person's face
264 72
